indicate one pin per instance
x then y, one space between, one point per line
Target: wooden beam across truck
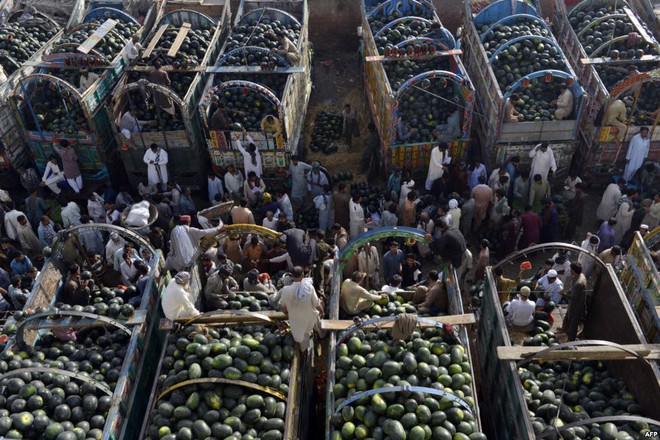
97 35
465 319
254 69
649 352
166 69
381 58
640 28
225 316
154 41
607 60
178 41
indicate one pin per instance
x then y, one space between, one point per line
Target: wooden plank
166 69
467 318
606 60
650 352
225 317
254 69
154 41
380 58
97 36
183 31
640 28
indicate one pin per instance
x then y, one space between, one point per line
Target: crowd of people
471 217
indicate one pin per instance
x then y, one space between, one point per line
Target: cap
453 203
253 274
182 278
644 227
552 273
316 164
114 235
185 218
525 291
409 184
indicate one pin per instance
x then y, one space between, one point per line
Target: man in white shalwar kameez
608 204
406 187
95 208
301 303
624 215
369 263
114 244
298 172
156 159
356 216
638 150
543 161
436 163
177 301
52 175
184 244
589 244
71 215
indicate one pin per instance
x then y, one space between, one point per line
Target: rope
449 101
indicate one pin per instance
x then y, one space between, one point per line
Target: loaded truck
185 41
508 49
116 383
51 104
599 386
604 41
263 92
419 92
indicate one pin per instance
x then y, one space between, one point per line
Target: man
648 176
184 243
606 234
451 245
174 194
496 175
114 245
478 169
286 48
356 213
87 78
590 244
52 175
569 185
46 231
35 207
316 179
613 256
252 253
133 48
538 192
577 302
26 237
638 151
177 300
531 224
95 208
403 131
564 103
70 164
506 285
323 202
270 221
253 283
129 124
624 214
552 288
451 130
20 264
90 238
218 286
297 246
186 203
354 298
652 217
128 269
285 205
111 214
214 186
298 171
156 159
436 164
562 265
234 182
616 116
610 201
467 217
520 311
339 235
302 306
370 155
393 286
220 120
521 190
75 291
129 250
411 269
350 126
241 214
510 112
432 298
71 215
392 261
550 218
369 263
11 220
482 195
160 77
575 211
389 217
340 205
543 161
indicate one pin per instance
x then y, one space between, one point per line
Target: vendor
520 311
354 298
432 298
286 48
130 125
177 301
616 116
510 112
564 103
87 78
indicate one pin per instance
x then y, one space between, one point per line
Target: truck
349 340
604 72
504 355
14 154
507 49
182 139
143 340
50 105
407 74
278 88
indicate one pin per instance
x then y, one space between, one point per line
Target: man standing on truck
184 243
160 77
510 112
298 171
638 150
564 103
87 78
70 164
616 116
156 159
577 302
543 161
130 125
177 300
287 49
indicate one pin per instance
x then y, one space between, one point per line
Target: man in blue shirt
392 261
606 235
20 264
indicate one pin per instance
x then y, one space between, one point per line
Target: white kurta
177 302
623 219
585 260
95 209
369 263
542 163
303 314
184 245
435 167
215 187
71 215
248 165
638 149
111 249
234 183
298 180
156 172
356 218
607 206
